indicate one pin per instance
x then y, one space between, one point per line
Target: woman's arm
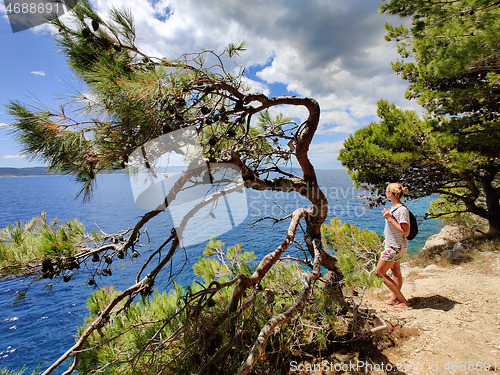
403 228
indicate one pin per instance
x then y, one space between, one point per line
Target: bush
6 371
181 331
453 213
24 244
357 252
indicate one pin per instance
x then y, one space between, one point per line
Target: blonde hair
398 190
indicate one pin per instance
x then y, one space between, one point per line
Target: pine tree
131 99
450 58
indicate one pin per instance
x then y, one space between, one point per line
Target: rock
446 243
456 254
405 273
433 267
458 247
448 235
448 254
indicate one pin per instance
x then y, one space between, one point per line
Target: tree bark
493 206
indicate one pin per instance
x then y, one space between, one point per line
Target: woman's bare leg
395 284
398 279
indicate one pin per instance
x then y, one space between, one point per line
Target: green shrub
6 371
356 249
168 330
22 244
453 213
175 331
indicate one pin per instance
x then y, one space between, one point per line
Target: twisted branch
280 319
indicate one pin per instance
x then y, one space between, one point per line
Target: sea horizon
28 334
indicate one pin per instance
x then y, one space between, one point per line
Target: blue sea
37 329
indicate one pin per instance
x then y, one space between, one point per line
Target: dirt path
454 324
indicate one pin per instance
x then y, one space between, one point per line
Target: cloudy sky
331 50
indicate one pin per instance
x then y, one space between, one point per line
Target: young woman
397 227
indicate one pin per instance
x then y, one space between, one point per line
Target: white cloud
326 147
313 48
14 157
331 50
337 121
324 155
38 73
257 86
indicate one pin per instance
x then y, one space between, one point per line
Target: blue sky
32 70
331 50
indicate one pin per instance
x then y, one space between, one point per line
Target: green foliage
449 57
403 144
221 264
131 98
161 330
224 134
11 372
453 52
429 156
266 122
119 111
172 331
133 327
23 244
381 152
7 371
44 137
356 251
455 213
234 49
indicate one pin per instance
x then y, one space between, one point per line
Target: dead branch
280 319
276 220
267 262
131 292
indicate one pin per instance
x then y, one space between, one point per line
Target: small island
15 172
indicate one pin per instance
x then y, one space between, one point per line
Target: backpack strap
402 205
